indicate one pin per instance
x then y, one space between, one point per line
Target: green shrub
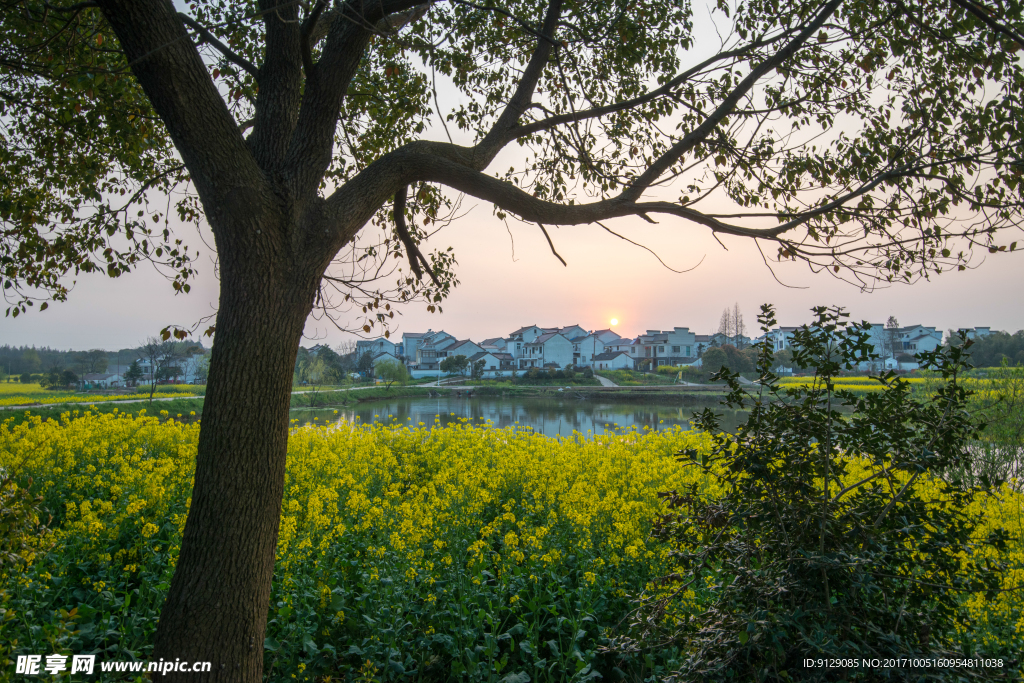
828 536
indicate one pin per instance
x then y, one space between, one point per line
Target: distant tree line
990 350
59 369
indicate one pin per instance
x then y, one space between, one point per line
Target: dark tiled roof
544 337
610 355
97 376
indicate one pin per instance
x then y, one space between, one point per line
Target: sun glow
615 321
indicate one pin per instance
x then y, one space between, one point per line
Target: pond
549 416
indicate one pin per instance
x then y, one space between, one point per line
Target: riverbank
671 395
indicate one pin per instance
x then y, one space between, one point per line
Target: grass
631 378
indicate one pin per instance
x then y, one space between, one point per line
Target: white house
669 347
384 356
105 380
375 347
605 335
585 348
495 364
494 344
431 350
548 350
463 348
569 331
613 360
411 342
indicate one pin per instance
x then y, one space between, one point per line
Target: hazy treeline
19 360
989 351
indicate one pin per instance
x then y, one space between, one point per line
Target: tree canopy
873 138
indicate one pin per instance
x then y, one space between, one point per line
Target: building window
675 349
687 350
661 349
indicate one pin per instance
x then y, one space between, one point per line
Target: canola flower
401 548
58 399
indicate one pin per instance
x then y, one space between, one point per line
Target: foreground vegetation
459 553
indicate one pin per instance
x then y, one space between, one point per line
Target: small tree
314 373
160 354
365 364
133 374
783 358
52 379
836 536
391 371
454 365
477 371
714 359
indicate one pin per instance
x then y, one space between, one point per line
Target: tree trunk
216 610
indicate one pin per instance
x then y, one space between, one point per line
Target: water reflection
550 416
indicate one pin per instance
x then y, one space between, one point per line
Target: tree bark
216 609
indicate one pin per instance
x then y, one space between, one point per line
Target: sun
615 321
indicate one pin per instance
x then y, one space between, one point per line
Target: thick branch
497 137
277 103
312 143
172 73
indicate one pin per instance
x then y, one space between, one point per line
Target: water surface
549 416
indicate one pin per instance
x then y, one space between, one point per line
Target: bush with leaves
22 531
832 533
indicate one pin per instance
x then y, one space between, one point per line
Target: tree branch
411 250
596 112
311 144
497 137
230 54
179 87
552 245
982 16
701 132
277 102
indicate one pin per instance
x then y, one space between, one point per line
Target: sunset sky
606 278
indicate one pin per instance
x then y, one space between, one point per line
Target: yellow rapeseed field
402 547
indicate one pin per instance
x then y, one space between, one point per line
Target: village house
375 347
613 360
101 380
431 350
383 356
496 364
550 350
677 346
463 348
